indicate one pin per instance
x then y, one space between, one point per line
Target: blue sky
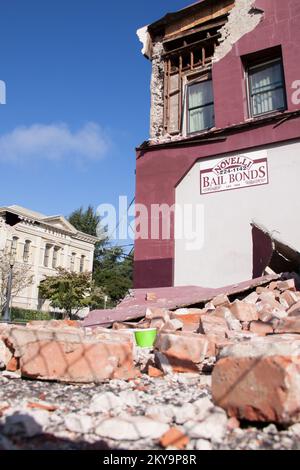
77 100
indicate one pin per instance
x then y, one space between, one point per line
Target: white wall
226 255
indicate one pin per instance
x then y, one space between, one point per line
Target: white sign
235 172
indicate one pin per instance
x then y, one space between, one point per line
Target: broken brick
260 328
243 311
288 325
70 355
182 351
174 438
221 300
214 325
258 388
154 372
290 297
294 310
289 284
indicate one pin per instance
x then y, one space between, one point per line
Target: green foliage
88 221
113 269
70 291
85 220
114 272
23 315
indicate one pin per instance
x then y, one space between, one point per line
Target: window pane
266 78
266 88
201 118
200 94
270 101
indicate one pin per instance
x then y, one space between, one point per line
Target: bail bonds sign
235 172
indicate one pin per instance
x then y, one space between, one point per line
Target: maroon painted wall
158 171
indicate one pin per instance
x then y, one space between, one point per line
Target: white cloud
54 142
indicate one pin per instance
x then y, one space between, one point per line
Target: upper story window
73 257
26 252
82 263
14 245
266 88
55 257
188 102
47 255
200 104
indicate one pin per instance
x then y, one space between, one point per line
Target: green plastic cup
145 338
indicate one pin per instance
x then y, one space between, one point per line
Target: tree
88 221
22 277
70 291
113 269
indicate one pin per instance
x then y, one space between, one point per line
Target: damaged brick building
224 134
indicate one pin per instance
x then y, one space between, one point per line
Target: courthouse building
44 243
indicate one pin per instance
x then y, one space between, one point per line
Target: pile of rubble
232 360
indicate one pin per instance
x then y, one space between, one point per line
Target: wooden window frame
200 78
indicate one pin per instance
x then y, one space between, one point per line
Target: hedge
23 315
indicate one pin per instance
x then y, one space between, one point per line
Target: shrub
23 315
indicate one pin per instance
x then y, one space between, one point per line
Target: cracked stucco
242 19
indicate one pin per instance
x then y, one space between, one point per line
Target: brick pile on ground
212 372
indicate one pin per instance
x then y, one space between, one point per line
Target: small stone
271 429
213 427
295 429
203 444
105 402
131 428
78 423
184 413
162 413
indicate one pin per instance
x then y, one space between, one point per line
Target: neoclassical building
45 243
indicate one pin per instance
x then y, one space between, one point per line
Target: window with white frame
266 88
14 245
26 251
55 257
82 263
73 257
47 255
200 106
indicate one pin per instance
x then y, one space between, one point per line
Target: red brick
221 300
289 284
261 328
70 355
294 310
174 438
288 325
258 388
154 372
291 298
183 351
244 311
210 324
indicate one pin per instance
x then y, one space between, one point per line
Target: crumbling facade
224 136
